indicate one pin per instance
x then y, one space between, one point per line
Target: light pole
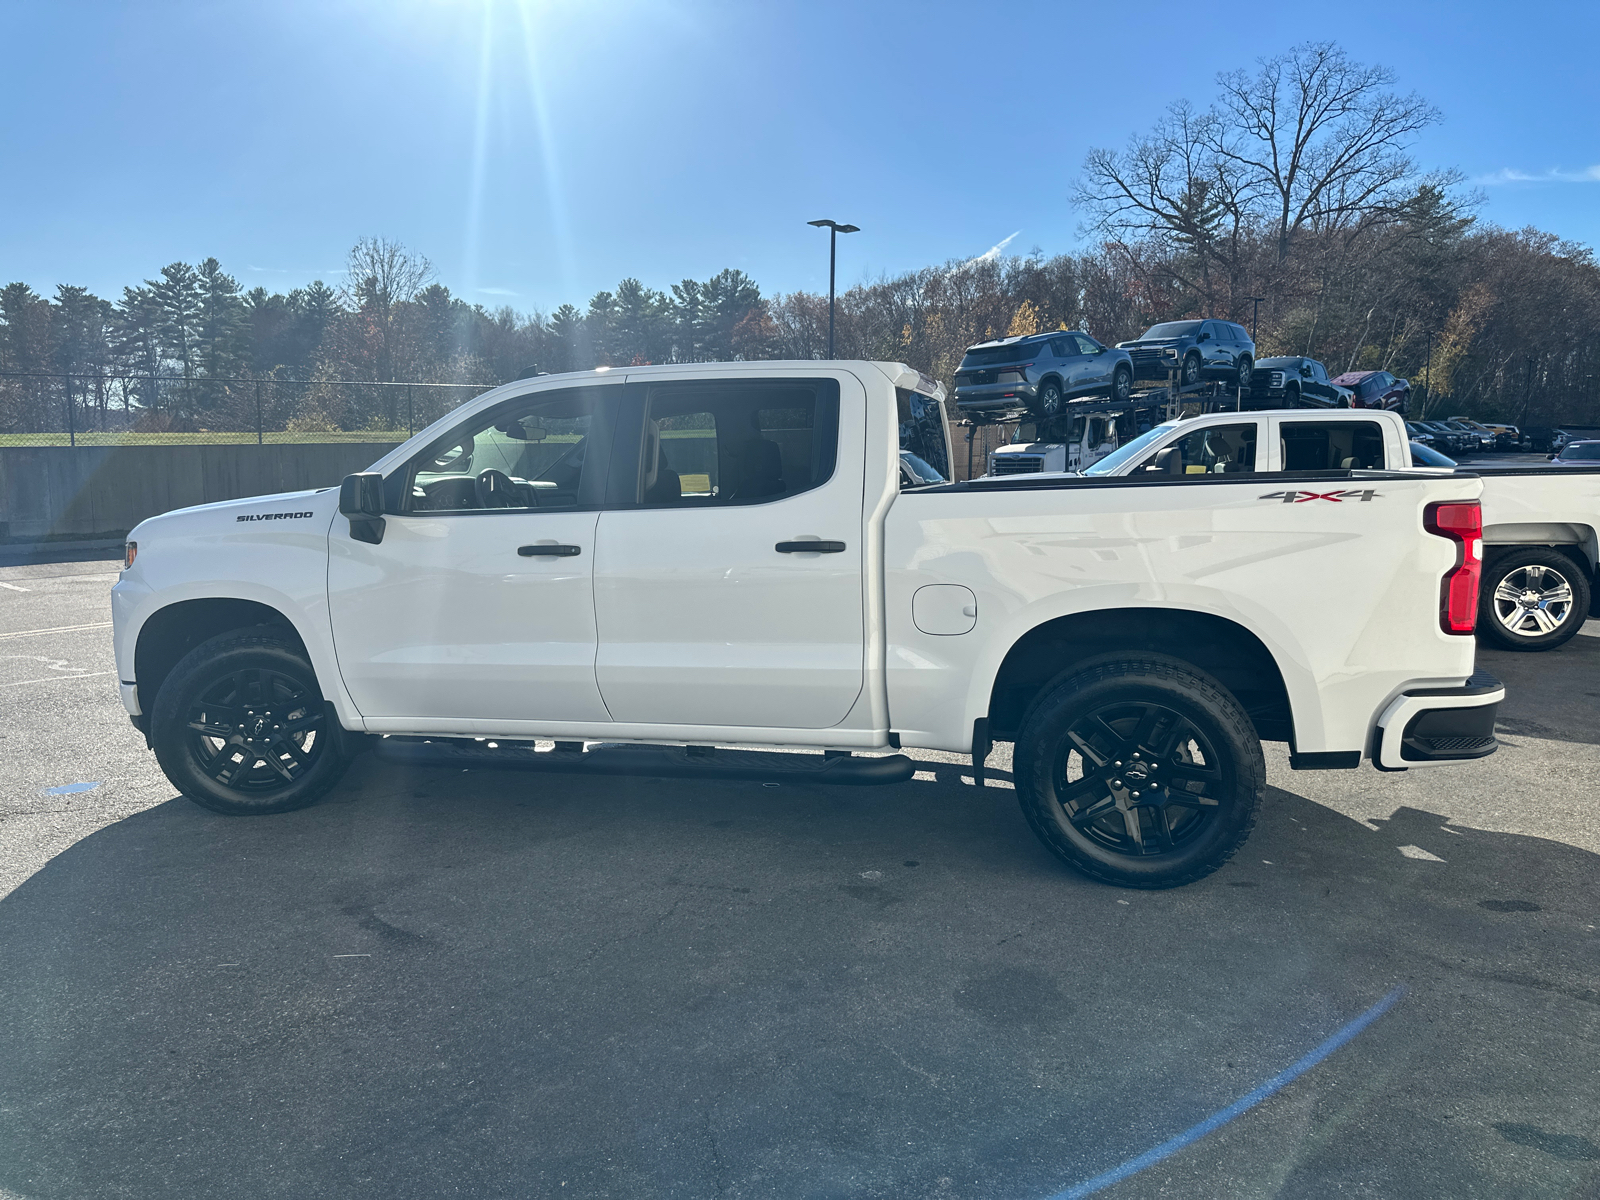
1254 313
834 230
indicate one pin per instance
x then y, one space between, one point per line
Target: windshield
1128 452
1427 456
1582 452
1171 329
988 356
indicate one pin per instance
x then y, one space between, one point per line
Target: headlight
1171 352
130 551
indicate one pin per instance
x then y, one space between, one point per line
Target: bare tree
1319 139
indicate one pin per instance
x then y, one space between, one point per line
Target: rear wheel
1140 772
1534 598
1243 370
240 726
1121 384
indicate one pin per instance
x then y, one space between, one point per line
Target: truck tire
1191 371
1532 598
1142 772
240 726
1291 396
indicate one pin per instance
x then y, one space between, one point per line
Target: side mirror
361 499
1204 337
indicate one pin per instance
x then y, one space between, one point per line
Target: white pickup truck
678 569
1539 524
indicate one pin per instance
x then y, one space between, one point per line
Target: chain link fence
61 409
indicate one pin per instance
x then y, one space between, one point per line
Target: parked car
1198 349
1474 437
1040 373
1578 454
1290 382
1498 435
773 585
1446 439
1376 389
1419 435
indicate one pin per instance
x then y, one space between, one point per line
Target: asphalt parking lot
447 983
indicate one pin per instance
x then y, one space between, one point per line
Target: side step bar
672 762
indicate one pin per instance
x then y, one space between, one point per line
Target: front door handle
549 550
810 547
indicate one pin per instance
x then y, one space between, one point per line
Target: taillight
1462 522
1018 373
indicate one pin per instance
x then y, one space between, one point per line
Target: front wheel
1142 772
1191 370
1122 384
1535 598
240 726
1049 401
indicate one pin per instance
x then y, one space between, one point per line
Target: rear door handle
549 550
810 547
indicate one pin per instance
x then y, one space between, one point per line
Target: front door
711 609
478 604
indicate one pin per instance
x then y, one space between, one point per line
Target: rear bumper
1433 727
994 396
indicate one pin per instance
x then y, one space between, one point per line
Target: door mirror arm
361 500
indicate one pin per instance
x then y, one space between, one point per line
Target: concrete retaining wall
57 492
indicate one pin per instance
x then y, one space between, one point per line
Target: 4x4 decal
1361 495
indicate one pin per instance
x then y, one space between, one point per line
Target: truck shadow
488 984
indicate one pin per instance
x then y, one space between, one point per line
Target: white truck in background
667 570
1540 525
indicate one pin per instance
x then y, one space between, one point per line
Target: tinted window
1219 450
922 429
526 454
988 356
737 442
1173 329
1331 445
1063 347
1582 452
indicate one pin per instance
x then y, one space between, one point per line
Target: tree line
1291 204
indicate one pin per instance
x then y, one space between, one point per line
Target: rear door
710 608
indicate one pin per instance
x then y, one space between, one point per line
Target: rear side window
922 431
714 444
1331 445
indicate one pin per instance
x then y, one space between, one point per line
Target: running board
672 762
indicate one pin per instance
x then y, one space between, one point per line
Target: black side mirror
361 499
1166 462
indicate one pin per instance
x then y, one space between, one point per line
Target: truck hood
1149 344
284 510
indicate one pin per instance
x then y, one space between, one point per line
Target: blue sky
540 150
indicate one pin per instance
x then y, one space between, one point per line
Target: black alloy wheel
1533 598
1244 370
241 727
1121 384
1140 772
1050 398
1191 370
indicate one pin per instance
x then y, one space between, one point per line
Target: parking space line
53 678
12 586
1238 1108
57 629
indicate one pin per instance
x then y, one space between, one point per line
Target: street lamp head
835 226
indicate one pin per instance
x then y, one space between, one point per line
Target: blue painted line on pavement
68 789
1238 1108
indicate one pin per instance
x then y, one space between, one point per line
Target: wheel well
172 632
1229 652
1052 377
